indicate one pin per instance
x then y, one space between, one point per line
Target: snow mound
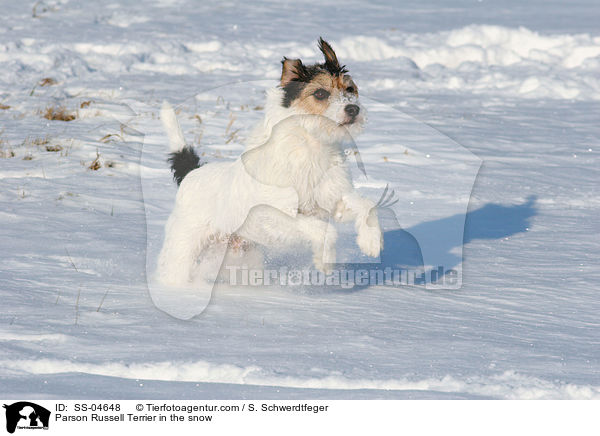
486 58
507 385
484 44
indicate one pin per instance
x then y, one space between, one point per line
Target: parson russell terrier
283 190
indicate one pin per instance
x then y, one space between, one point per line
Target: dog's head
322 89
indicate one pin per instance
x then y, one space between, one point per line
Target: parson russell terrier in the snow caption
285 187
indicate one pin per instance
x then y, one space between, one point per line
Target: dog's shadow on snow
401 249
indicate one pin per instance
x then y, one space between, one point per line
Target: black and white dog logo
26 415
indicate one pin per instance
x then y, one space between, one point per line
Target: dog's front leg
364 213
336 194
270 226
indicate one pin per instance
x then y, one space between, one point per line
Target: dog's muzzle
352 110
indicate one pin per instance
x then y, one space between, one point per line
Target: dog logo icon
26 415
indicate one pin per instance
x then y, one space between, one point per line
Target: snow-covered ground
514 83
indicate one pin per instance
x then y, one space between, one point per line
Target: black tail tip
183 162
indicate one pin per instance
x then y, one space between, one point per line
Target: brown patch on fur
4 107
308 102
332 84
289 70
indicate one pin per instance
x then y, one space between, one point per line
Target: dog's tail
182 157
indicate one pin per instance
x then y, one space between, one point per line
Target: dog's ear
292 69
331 60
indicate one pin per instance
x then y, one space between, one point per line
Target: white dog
287 184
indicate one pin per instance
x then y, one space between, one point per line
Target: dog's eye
321 94
350 89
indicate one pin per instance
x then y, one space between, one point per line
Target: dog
287 185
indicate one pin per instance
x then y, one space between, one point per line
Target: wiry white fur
169 119
281 191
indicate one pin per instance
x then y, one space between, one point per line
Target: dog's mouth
349 122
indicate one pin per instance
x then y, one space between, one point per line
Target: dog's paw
370 239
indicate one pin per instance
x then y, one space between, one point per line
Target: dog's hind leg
180 250
270 226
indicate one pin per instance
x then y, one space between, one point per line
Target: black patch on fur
333 69
307 73
182 162
291 91
331 64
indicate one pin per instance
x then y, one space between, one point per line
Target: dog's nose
352 110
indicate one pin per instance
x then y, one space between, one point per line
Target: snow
511 86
